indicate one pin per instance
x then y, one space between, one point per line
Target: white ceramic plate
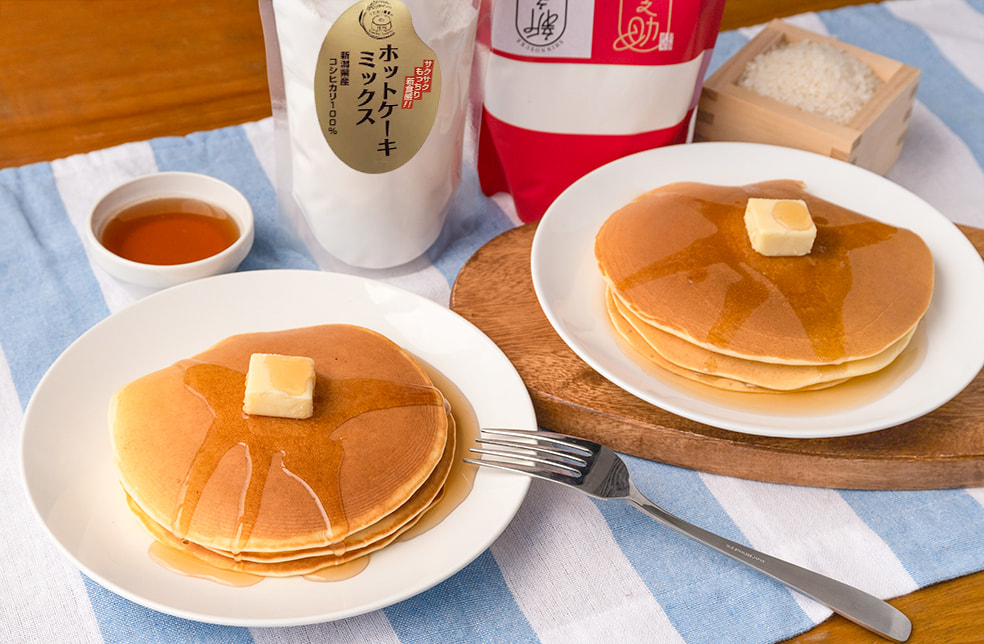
71 479
945 355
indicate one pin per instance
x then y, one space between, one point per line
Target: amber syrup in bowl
159 230
169 230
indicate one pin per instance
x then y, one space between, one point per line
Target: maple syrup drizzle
185 563
341 572
461 478
815 286
305 448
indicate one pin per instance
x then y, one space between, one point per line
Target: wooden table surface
80 75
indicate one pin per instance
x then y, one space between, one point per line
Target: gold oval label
376 87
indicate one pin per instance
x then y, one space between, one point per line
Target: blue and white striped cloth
568 569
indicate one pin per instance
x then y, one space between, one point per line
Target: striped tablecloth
567 569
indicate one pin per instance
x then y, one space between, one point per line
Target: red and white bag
570 85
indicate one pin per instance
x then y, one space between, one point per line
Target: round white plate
71 478
946 354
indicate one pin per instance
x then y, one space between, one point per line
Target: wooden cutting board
494 290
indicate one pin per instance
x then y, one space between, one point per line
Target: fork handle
858 606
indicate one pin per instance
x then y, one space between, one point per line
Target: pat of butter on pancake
281 386
780 227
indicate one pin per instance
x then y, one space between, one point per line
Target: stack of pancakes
688 292
277 496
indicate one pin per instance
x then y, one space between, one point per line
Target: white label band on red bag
581 98
638 32
543 28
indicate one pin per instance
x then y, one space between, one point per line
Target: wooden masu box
872 139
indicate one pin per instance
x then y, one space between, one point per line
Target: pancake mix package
369 101
570 86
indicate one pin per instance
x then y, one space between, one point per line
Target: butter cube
780 227
280 386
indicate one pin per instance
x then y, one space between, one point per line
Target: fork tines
532 452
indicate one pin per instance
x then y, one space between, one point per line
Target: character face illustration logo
541 23
377 19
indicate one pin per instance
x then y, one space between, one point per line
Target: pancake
679 257
303 562
738 374
687 284
289 496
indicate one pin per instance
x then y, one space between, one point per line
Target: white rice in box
815 77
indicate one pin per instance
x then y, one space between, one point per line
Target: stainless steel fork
598 471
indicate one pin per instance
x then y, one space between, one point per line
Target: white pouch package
370 101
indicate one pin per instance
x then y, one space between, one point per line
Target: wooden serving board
494 290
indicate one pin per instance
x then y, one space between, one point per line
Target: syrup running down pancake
280 496
687 289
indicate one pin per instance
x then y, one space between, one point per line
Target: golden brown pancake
295 495
679 263
738 374
302 562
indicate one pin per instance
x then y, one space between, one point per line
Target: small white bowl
163 185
